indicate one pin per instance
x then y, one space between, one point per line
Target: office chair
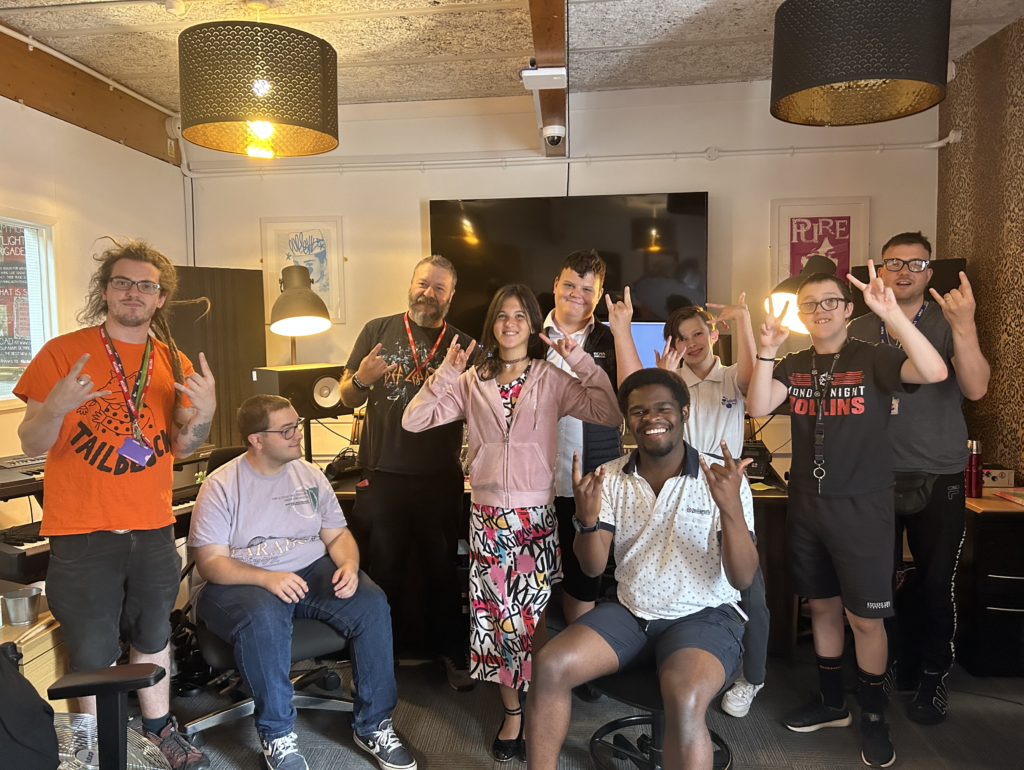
639 687
310 639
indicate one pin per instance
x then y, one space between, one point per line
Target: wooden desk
44 657
770 528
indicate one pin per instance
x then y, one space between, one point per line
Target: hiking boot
283 753
816 715
929 705
180 754
876 747
385 747
739 698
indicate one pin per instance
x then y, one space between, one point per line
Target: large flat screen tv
656 243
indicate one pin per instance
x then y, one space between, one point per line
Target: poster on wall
15 326
314 243
836 228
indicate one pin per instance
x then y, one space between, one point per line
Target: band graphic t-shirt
271 522
89 486
385 444
857 452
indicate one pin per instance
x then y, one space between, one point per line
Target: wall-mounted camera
553 135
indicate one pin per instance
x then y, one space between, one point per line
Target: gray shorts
102 586
718 630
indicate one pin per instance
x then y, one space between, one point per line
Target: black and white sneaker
876 747
816 715
385 747
929 705
456 668
283 753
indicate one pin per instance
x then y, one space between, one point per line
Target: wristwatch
584 529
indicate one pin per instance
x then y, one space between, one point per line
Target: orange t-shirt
88 485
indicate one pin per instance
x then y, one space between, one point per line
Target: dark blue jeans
259 626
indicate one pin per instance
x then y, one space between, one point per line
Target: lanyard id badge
418 375
136 448
822 390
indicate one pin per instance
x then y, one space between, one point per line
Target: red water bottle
974 478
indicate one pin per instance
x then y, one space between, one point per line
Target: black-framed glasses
287 433
829 303
146 287
913 265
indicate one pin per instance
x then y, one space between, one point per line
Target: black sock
156 725
830 680
871 693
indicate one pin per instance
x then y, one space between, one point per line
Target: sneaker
283 753
456 667
738 699
180 754
816 715
877 750
929 705
901 678
385 747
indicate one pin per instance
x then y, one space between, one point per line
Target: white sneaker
739 697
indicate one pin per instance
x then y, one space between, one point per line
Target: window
27 299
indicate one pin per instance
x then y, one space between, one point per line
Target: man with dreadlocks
112 405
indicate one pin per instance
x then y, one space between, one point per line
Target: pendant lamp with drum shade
843 62
257 89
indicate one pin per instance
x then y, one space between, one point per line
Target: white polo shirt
668 554
717 409
570 430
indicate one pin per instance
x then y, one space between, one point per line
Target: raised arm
765 393
972 370
591 548
739 554
371 369
924 364
743 333
194 421
41 424
442 398
620 318
589 396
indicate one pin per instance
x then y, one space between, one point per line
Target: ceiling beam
547 18
43 82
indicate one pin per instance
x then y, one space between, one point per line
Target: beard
661 451
426 310
126 318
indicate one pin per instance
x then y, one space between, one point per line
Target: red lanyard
412 344
134 400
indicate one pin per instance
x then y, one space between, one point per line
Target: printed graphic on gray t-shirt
272 522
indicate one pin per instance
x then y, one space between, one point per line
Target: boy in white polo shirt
717 413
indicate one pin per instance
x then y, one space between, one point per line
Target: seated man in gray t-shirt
271 545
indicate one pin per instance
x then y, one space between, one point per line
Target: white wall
384 213
86 186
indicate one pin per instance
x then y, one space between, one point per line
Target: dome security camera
553 135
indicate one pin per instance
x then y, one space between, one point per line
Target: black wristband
359 385
762 358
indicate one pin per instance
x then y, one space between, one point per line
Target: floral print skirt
515 560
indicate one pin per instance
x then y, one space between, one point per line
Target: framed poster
314 243
836 228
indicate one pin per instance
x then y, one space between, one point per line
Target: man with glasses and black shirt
929 441
840 517
271 546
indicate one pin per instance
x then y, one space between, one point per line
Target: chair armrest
106 681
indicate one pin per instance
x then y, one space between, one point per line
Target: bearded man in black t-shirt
410 497
840 517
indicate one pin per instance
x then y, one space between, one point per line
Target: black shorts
101 586
574 582
718 630
843 546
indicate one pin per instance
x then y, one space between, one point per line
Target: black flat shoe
506 750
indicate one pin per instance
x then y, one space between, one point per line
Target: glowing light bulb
792 318
261 128
261 87
254 151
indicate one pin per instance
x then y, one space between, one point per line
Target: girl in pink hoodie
512 404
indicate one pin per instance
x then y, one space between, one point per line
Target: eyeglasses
146 287
829 303
287 433
913 265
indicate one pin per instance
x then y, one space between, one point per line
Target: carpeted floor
449 730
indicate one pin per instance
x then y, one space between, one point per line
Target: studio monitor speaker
313 389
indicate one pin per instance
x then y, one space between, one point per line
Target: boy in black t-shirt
840 520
